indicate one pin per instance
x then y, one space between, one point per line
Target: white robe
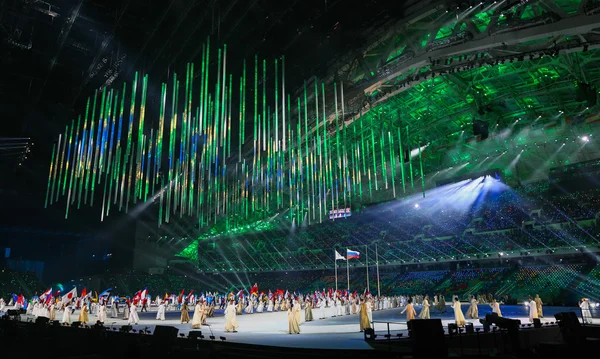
261 307
44 312
102 314
197 318
533 313
496 308
331 305
231 323
585 312
459 317
66 318
133 316
160 313
250 307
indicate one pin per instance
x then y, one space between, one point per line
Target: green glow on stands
190 252
569 6
444 32
482 20
393 55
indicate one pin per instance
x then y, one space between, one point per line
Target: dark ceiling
55 53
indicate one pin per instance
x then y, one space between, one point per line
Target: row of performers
333 304
534 306
202 311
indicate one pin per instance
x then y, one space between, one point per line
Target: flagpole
377 264
348 270
335 264
367 257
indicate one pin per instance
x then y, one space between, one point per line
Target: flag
144 293
339 256
105 293
70 295
352 254
45 294
83 293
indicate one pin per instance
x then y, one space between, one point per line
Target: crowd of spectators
551 282
473 281
417 283
12 282
590 285
515 220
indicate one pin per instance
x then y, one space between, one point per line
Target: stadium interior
454 144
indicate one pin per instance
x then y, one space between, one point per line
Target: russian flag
45 294
352 254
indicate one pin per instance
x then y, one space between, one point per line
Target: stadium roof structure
522 68
391 115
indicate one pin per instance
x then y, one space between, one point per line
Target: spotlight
585 139
416 205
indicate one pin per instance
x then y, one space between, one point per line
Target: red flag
83 293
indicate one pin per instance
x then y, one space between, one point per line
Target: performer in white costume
133 316
231 323
160 313
533 312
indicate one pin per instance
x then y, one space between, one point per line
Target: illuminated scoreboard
339 213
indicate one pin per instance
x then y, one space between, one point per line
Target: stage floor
332 333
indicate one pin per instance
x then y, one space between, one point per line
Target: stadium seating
551 282
520 220
12 282
589 287
413 283
467 282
